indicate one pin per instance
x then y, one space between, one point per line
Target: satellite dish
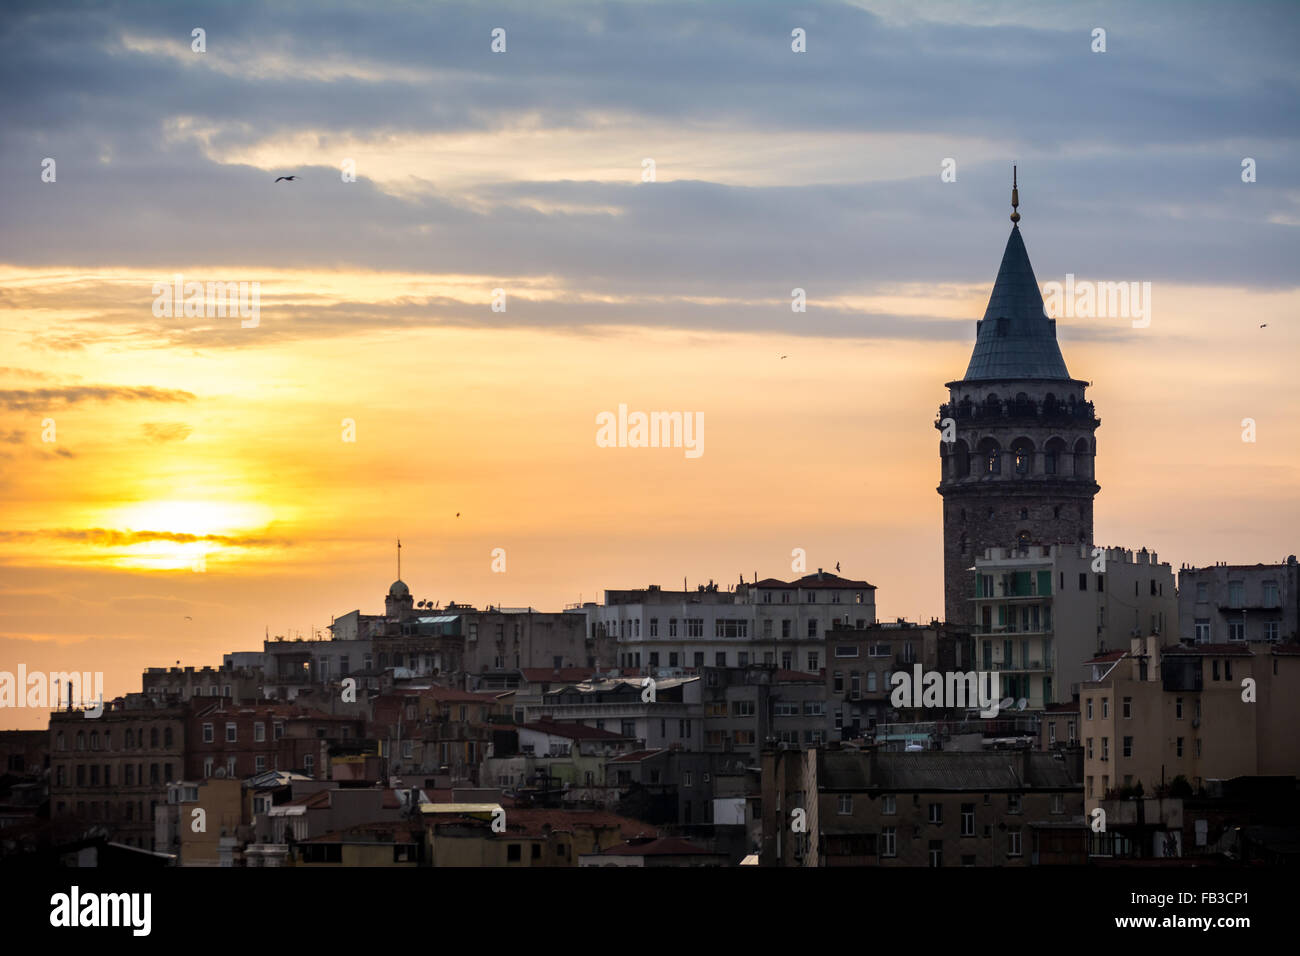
1006 703
1022 703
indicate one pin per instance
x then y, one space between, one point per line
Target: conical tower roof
1016 339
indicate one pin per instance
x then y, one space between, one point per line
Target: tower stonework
1017 446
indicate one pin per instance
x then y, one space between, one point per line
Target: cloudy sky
172 487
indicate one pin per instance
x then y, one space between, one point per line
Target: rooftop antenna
399 559
1015 197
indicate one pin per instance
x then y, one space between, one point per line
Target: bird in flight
837 566
1264 325
783 356
457 514
287 178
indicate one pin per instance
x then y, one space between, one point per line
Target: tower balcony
1009 412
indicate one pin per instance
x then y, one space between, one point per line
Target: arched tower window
960 459
1083 458
989 451
1022 450
1052 455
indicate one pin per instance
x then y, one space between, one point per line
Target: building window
814 662
968 819
232 733
1058 803
208 736
936 813
1088 702
1105 748
845 804
1128 746
889 841
1178 750
1105 708
654 627
936 853
1013 803
1013 843
1236 593
1083 580
259 732
1270 594
1236 630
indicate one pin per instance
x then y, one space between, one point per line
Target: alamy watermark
953 689
1098 300
213 300
651 430
51 689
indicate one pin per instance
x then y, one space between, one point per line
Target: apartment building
239 740
774 623
670 717
113 770
1042 611
1018 808
462 835
1198 711
860 662
1239 602
746 708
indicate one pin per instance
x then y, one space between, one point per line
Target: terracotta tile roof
1108 656
810 582
1286 649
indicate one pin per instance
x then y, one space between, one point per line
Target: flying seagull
783 356
1264 326
287 178
188 618
837 566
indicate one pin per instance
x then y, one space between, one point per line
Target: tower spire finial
399 559
1015 197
